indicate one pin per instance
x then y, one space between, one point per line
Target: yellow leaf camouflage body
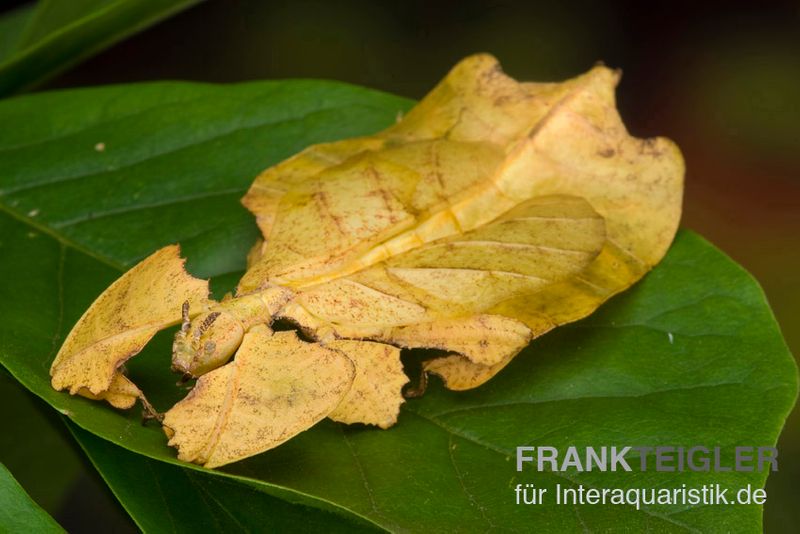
491 213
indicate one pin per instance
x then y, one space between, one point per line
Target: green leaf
12 24
165 498
39 41
18 512
690 356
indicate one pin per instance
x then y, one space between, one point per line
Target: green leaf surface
40 40
690 356
18 512
12 24
166 498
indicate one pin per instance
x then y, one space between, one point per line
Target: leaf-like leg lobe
121 321
376 395
276 387
122 393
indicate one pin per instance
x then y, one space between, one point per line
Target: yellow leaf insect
493 212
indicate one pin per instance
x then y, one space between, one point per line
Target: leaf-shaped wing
121 321
534 141
477 146
276 387
447 145
543 240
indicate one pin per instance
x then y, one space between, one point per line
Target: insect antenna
207 322
185 317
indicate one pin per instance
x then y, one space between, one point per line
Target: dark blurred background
720 78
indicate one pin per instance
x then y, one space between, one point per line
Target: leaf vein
533 402
504 453
139 207
460 478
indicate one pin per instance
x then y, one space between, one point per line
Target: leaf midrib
60 238
534 402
